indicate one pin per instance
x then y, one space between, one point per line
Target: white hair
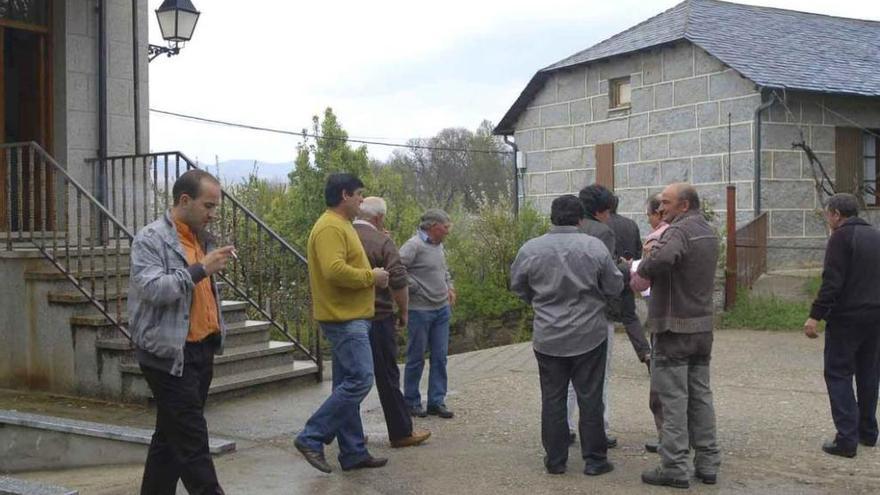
372 207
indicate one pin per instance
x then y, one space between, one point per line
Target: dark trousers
383 343
633 326
179 450
586 372
853 351
654 398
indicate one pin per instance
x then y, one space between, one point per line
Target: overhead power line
318 136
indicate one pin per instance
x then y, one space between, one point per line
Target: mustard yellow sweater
339 271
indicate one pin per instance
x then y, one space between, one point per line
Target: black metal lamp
177 21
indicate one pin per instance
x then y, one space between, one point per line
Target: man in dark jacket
849 302
628 245
681 267
381 251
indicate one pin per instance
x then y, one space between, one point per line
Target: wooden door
26 185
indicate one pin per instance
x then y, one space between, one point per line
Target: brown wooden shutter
605 165
848 159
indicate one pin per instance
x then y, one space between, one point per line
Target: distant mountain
232 171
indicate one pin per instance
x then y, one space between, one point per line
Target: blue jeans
427 330
340 416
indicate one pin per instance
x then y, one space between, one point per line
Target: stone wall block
607 131
742 166
685 143
538 161
740 109
678 62
632 200
529 119
561 137
822 138
705 63
639 125
572 84
707 169
642 100
663 96
581 179
547 94
744 199
592 81
787 194
729 84
707 114
784 164
687 91
579 132
620 66
652 66
644 175
675 171
581 111
713 196
567 159
599 107
786 223
779 136
555 115
621 176
626 151
557 183
536 183
655 147
674 119
714 139
814 223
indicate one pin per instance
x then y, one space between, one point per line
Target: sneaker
313 457
368 463
657 477
415 438
417 412
440 410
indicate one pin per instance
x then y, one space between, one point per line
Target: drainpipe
512 145
101 182
136 63
756 190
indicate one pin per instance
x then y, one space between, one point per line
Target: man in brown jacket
381 251
681 267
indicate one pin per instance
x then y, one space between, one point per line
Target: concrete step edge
14 486
98 320
98 430
233 354
263 376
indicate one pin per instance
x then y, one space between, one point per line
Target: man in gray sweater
431 296
681 267
567 276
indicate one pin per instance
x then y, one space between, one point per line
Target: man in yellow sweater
343 295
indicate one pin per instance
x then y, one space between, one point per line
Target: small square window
621 95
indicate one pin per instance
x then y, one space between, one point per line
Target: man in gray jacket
431 296
177 327
681 267
566 276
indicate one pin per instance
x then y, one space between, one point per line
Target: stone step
98 273
76 297
135 386
242 358
233 311
239 334
247 332
49 442
12 486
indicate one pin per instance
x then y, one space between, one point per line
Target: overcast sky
391 70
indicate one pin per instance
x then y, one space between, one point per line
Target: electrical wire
318 136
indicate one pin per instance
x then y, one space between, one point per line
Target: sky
390 69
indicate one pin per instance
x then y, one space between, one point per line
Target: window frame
614 86
876 157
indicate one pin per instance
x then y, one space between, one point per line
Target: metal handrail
250 279
99 214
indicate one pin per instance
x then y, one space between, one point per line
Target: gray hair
372 207
844 203
433 217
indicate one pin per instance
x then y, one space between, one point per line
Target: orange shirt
203 312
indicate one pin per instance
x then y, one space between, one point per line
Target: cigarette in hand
234 256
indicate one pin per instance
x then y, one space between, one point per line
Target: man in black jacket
849 302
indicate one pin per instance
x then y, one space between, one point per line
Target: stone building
712 92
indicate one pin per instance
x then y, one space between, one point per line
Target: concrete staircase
104 364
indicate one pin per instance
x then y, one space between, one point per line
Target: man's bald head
676 199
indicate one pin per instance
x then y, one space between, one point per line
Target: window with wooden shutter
605 165
848 160
871 168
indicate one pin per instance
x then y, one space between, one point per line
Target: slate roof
774 48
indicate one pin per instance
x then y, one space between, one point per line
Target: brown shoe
417 437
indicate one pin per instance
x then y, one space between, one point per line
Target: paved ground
772 417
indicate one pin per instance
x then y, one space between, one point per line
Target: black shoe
417 412
572 438
833 448
868 443
706 478
652 446
612 441
313 457
657 477
440 410
369 462
598 468
555 469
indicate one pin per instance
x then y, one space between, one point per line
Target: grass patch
771 313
